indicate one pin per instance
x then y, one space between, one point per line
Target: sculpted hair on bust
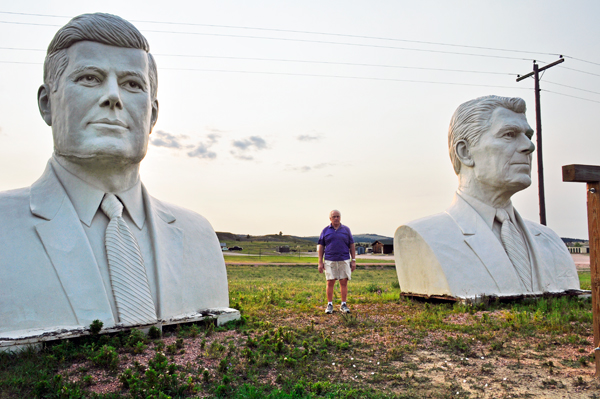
472 118
103 28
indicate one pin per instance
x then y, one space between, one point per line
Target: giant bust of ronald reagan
86 241
480 245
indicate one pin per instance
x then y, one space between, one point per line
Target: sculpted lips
106 121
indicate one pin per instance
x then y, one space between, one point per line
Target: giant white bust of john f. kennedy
481 245
99 97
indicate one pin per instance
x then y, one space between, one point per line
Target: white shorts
337 270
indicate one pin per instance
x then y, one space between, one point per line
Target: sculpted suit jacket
48 273
455 253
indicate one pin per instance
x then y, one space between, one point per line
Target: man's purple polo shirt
336 242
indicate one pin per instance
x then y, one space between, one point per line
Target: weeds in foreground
286 347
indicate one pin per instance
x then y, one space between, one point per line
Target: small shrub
209 330
106 357
95 327
135 337
372 288
139 348
154 332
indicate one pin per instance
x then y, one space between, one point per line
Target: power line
21 49
310 41
28 23
571 87
577 70
20 62
579 59
332 63
301 61
304 32
567 95
343 77
317 33
308 75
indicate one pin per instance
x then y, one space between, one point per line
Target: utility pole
538 131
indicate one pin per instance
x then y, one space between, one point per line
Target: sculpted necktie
515 248
126 266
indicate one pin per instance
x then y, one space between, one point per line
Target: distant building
580 249
360 250
383 246
283 248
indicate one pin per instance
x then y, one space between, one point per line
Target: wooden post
591 175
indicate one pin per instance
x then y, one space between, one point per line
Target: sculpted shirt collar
86 199
487 212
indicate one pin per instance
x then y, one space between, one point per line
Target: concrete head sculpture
57 271
481 245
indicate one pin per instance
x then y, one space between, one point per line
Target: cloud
307 137
201 151
244 146
253 141
242 156
307 168
168 140
215 130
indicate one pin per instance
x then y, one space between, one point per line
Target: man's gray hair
335 210
103 28
473 118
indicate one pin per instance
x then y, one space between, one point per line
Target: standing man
337 244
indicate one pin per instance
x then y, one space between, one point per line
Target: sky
272 113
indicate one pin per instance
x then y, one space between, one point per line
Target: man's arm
321 251
353 255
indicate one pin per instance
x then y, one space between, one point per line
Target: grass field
286 347
303 259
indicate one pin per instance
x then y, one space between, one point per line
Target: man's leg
330 285
343 289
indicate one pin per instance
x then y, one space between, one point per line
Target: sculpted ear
463 153
154 116
44 104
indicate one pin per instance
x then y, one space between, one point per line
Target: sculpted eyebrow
138 75
511 127
80 69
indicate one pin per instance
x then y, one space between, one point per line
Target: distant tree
247 235
280 234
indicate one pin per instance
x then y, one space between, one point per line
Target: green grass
304 259
286 347
585 280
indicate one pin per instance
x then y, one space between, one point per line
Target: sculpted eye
133 85
87 79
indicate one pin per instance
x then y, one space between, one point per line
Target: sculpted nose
111 97
526 144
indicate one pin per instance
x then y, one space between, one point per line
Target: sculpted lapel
482 241
67 246
168 255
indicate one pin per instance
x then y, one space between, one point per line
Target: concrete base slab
20 340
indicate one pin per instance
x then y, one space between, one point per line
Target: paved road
581 261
